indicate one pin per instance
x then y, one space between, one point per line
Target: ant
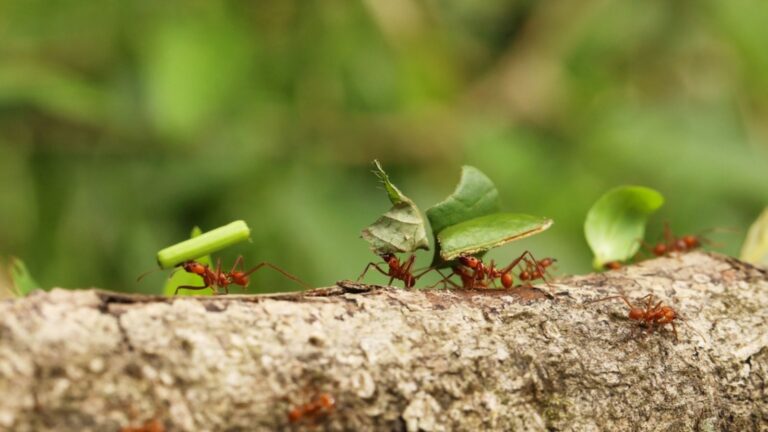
536 269
612 265
319 407
216 279
397 270
651 315
153 425
476 274
672 243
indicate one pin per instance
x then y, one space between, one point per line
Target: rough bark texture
397 359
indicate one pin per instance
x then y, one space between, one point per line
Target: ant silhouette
476 274
396 269
218 279
651 315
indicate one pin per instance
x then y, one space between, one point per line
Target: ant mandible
220 279
320 406
651 315
396 269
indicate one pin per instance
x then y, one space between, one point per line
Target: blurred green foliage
124 124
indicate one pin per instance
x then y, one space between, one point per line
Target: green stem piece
204 244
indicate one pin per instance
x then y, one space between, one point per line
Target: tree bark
396 359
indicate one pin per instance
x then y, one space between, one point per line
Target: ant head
660 249
469 261
193 267
636 314
525 275
546 262
691 241
326 400
388 256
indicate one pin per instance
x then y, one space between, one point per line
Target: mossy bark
397 359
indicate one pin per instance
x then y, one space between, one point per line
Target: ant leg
192 287
445 280
279 270
626 300
674 330
516 261
238 261
374 265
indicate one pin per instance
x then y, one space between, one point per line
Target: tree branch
395 359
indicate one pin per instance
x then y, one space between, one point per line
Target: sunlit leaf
755 249
401 228
615 224
23 283
180 277
487 232
475 196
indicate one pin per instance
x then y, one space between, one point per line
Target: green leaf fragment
204 244
180 277
486 232
401 228
23 283
475 196
755 248
615 225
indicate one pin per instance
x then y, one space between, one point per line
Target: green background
123 124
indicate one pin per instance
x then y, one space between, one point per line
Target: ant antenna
138 279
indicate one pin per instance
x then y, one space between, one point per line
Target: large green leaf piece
401 228
755 248
475 196
615 225
180 277
23 283
486 232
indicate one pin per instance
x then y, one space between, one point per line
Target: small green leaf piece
23 283
755 248
180 277
615 225
486 232
401 228
204 244
475 196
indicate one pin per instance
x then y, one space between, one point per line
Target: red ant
535 269
153 425
321 406
215 279
672 243
651 315
612 265
397 270
475 274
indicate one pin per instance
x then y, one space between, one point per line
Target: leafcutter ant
672 243
652 315
218 279
319 407
153 425
476 274
396 269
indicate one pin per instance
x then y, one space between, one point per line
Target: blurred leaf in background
124 123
